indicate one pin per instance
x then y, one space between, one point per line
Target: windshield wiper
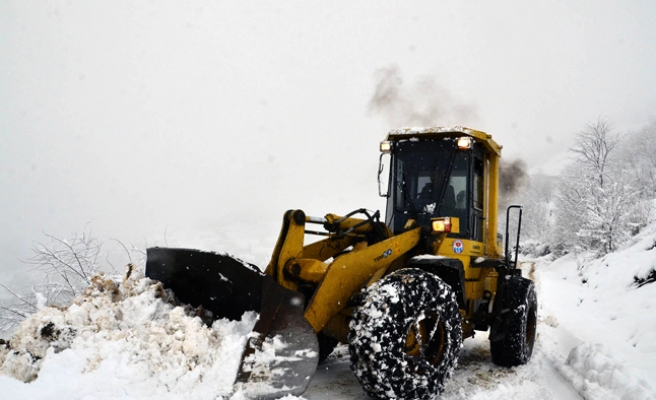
407 198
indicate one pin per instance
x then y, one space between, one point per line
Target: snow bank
612 293
125 339
609 320
596 376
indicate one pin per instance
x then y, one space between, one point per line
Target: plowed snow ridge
123 339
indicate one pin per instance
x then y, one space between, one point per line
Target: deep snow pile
126 339
603 328
596 375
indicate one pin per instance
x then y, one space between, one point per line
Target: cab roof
445 131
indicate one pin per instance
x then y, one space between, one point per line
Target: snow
122 340
424 130
596 375
130 339
610 322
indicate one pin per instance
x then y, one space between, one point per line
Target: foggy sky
154 121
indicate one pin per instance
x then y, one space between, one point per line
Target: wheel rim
425 340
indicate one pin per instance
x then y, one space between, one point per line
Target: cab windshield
431 178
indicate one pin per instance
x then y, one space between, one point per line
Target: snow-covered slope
128 339
597 307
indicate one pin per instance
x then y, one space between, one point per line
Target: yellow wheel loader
402 293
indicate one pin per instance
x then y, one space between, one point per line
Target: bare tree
594 145
12 314
606 210
595 201
23 305
68 264
638 159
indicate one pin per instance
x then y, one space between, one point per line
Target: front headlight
440 225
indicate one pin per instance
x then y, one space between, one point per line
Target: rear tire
516 347
405 336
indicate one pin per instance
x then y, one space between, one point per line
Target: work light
464 143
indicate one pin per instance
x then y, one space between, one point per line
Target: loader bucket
219 283
282 352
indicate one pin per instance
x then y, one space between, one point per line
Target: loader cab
436 176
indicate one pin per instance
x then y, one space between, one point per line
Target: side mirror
384 174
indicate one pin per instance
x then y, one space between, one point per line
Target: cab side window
478 198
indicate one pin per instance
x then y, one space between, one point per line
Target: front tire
516 346
405 336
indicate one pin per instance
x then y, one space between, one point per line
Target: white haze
155 122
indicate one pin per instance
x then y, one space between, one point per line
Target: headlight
440 225
385 146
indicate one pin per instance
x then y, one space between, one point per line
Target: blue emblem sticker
458 246
386 254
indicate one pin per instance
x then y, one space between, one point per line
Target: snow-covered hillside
598 307
128 339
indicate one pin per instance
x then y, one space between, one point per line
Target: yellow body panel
288 249
327 248
492 218
307 269
349 272
475 278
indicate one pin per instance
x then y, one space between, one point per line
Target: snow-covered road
476 376
572 358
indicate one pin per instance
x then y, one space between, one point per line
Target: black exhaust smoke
513 176
425 104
